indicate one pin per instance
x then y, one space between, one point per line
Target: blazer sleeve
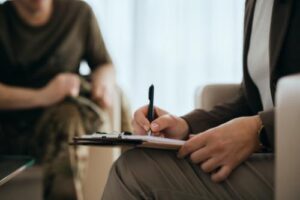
200 120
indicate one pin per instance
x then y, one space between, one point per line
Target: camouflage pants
47 140
64 164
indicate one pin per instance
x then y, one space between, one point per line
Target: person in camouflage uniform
44 101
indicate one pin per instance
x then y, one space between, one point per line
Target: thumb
163 122
97 92
74 91
75 87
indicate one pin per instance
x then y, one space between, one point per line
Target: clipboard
127 139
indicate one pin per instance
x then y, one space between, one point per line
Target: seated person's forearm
13 98
103 85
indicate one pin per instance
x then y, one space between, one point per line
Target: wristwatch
263 139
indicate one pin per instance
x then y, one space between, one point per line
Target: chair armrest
210 95
287 128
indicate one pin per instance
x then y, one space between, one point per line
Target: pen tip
151 91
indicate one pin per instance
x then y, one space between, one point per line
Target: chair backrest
210 95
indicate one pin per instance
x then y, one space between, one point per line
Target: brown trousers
160 175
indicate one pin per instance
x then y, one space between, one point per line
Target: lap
161 175
59 122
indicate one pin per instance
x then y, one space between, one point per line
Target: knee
129 169
130 162
133 158
139 171
62 115
62 121
64 112
140 165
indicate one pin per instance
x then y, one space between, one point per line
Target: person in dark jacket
219 160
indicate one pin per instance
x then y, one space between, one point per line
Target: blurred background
175 44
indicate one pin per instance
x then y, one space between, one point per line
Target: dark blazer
284 60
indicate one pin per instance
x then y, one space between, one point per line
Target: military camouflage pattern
47 140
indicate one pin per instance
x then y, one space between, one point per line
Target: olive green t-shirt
31 56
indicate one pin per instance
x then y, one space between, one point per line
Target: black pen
150 114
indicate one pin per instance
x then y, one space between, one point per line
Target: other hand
61 86
219 150
103 86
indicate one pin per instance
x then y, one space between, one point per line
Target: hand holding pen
168 125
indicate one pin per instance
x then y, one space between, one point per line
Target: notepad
128 139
